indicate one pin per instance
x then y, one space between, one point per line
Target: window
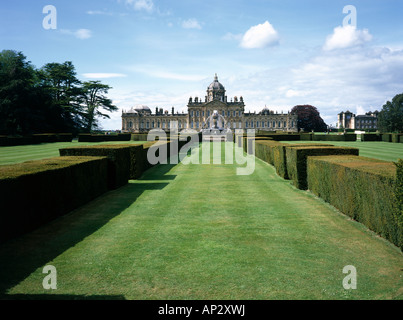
234 113
197 113
246 124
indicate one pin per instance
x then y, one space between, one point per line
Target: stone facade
349 120
141 119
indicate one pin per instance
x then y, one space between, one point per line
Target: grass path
202 232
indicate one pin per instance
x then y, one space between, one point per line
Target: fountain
215 128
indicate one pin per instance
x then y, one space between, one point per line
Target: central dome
216 91
216 85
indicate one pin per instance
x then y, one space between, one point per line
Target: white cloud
79 34
191 24
103 75
346 37
260 36
138 5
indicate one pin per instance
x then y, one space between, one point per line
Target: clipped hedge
84 137
297 160
264 150
35 192
280 157
139 137
118 160
371 137
386 137
334 137
368 190
35 139
248 143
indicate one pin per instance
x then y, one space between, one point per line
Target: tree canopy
390 119
49 99
309 118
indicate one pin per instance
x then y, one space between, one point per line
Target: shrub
297 159
35 192
368 190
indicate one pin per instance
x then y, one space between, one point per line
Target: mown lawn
379 150
199 231
16 154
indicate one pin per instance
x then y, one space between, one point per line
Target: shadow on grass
22 256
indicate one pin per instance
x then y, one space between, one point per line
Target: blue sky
273 53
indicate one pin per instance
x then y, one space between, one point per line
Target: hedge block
297 160
264 150
84 137
280 157
368 190
35 192
335 137
118 160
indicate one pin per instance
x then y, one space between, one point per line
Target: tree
309 118
61 84
390 119
17 79
94 100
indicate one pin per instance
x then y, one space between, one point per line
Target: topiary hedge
118 160
297 160
35 192
280 157
368 190
84 137
264 150
371 137
35 139
335 137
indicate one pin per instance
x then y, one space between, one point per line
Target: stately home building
349 120
141 119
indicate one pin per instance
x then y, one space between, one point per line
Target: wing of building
349 120
141 119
